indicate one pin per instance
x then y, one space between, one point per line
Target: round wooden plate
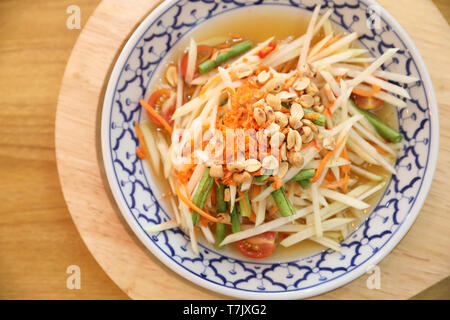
134 269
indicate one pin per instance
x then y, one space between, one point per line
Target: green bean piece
220 235
282 202
221 207
383 129
320 120
222 57
261 179
304 183
245 207
202 193
304 175
235 223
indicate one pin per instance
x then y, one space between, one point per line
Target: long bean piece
244 206
283 203
235 223
222 57
202 193
221 207
304 183
304 175
319 120
383 129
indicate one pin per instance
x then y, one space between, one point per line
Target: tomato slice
156 100
367 103
203 54
258 247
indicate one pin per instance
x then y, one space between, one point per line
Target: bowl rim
295 294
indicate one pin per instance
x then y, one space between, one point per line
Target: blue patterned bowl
136 193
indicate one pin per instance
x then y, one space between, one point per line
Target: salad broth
258 24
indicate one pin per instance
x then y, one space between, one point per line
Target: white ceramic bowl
136 194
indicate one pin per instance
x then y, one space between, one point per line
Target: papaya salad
274 143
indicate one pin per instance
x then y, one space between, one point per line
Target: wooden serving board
421 259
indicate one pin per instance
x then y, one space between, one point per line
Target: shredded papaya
324 161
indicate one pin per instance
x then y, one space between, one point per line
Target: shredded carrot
140 153
337 184
190 204
155 114
272 211
252 217
289 82
277 182
315 144
311 116
256 190
324 161
261 68
209 84
346 168
203 222
379 150
306 145
328 108
375 90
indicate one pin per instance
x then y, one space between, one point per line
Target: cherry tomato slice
203 54
156 100
258 247
367 103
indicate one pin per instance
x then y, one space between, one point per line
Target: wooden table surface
38 239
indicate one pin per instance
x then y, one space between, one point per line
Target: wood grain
37 237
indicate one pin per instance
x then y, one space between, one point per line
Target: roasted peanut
252 165
307 100
282 169
295 158
236 166
281 119
260 116
294 140
241 177
270 163
301 83
275 85
270 116
216 171
274 101
263 76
